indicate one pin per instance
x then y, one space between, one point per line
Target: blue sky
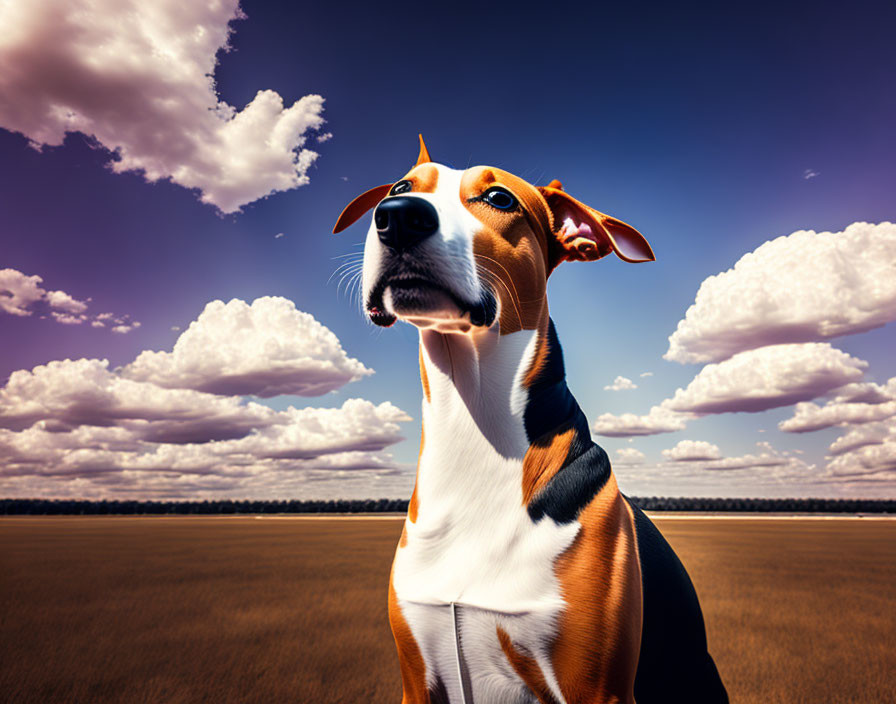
712 130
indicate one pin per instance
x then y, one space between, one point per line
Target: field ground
211 609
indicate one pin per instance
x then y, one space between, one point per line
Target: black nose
404 221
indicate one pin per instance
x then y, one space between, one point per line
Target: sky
173 318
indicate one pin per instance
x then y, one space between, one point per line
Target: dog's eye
500 198
401 187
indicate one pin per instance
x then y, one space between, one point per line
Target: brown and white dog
522 575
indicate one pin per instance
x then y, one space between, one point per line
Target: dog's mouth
427 303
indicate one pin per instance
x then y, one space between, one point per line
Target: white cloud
309 433
765 472
264 349
646 374
866 454
18 292
809 417
77 428
67 318
764 459
866 434
660 419
138 78
803 287
810 173
692 451
22 295
770 377
69 394
125 327
855 404
620 383
64 302
751 381
628 456
325 137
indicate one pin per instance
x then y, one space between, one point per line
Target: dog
522 574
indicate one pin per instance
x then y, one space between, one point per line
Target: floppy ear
585 234
361 205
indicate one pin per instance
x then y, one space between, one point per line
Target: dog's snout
403 222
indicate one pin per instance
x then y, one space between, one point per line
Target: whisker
494 278
516 295
342 269
348 254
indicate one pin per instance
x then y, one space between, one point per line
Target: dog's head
459 250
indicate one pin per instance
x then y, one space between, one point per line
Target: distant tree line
71 507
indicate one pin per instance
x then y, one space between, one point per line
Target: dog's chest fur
473 543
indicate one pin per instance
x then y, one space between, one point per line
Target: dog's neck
497 417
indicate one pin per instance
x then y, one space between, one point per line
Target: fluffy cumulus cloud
770 377
266 348
137 78
861 436
751 381
807 286
79 428
855 404
22 295
621 383
757 461
699 469
660 419
627 456
865 455
18 292
66 394
348 437
692 451
62 301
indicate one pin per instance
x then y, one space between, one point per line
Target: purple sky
171 325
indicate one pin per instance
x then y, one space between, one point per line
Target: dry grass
242 610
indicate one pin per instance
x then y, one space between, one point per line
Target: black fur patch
674 665
551 407
437 693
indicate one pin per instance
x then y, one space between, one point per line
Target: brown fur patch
543 461
526 667
425 178
511 248
595 654
541 354
410 659
414 503
423 377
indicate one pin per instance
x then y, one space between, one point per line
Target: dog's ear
423 157
361 205
585 234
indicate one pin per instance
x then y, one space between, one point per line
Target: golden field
240 609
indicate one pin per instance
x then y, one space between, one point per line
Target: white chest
497 568
474 562
474 545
